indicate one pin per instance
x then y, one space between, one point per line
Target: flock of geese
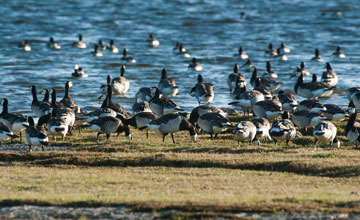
154 110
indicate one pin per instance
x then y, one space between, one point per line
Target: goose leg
211 136
172 136
20 137
238 143
97 137
315 141
164 135
147 134
215 136
107 137
287 144
42 147
275 141
29 148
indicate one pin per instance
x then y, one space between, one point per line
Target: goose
271 50
141 119
351 108
339 53
145 94
312 89
36 135
266 91
236 78
121 84
288 101
25 45
246 99
141 106
63 112
195 65
326 131
242 15
162 106
177 45
305 118
244 130
262 128
269 73
152 41
79 72
126 57
302 70
329 77
203 109
114 49
284 48
312 105
46 94
355 99
203 92
352 91
167 86
283 130
5 132
67 101
79 44
242 55
96 51
317 56
269 109
334 112
352 132
169 124
16 122
248 66
272 84
213 123
57 125
102 45
113 105
183 52
108 125
39 108
53 45
97 113
281 55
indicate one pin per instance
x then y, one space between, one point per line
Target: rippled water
211 30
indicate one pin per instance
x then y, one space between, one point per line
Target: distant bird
78 72
203 92
248 66
182 51
96 51
167 86
127 58
53 45
195 65
301 70
114 49
271 51
326 131
241 54
271 83
235 78
101 45
352 132
312 89
283 130
339 53
329 77
121 84
244 130
284 48
317 56
269 73
281 55
213 123
79 44
25 45
152 41
162 106
36 135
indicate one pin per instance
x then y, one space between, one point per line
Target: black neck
122 70
46 96
253 76
53 98
187 126
350 123
67 91
34 94
5 106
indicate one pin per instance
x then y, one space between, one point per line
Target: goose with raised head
96 52
284 48
39 108
46 94
57 125
162 106
152 41
244 131
67 101
195 65
203 92
271 51
283 129
79 44
269 73
246 99
266 91
317 56
117 107
352 132
213 123
120 84
288 101
248 66
36 135
312 89
62 111
269 109
167 86
241 54
262 129
339 53
169 124
53 45
101 45
329 77
272 84
301 70
236 78
326 131
126 57
114 49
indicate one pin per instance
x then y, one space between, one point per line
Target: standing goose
79 44
152 41
121 84
244 130
127 58
113 48
288 101
213 123
57 125
36 135
334 112
236 78
163 106
312 89
113 105
167 86
204 92
5 132
305 118
141 119
262 129
169 124
39 108
141 106
266 91
312 105
145 94
272 84
329 77
352 132
317 56
283 129
269 73
247 99
269 109
326 131
339 53
62 111
195 65
67 101
96 51
203 109
98 113
16 122
53 45
242 55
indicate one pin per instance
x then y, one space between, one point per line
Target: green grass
148 174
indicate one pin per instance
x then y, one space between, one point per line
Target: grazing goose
203 109
203 92
169 124
53 45
57 125
246 99
262 129
283 129
242 55
183 52
269 73
269 109
302 70
195 65
114 49
126 57
244 130
145 94
236 78
281 55
141 106
213 123
141 119
25 45
312 89
121 84
36 135
317 56
352 132
98 113
39 108
113 105
102 46
63 112
152 41
163 106
305 118
312 105
334 112
67 101
79 44
266 91
96 51
16 122
5 132
248 66
167 86
271 50
329 77
272 84
284 48
326 131
339 53
288 101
